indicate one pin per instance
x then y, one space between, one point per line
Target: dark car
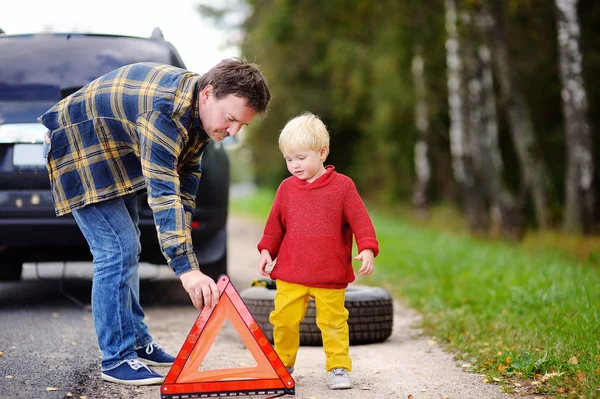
38 70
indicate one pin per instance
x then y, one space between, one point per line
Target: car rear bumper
54 239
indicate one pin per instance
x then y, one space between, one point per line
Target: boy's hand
265 260
368 264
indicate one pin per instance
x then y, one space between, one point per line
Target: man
142 126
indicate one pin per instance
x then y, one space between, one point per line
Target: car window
48 66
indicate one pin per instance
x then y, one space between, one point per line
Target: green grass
521 317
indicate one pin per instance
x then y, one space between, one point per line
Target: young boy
309 233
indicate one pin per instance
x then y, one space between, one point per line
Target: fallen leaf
502 367
51 389
364 388
83 397
423 390
74 343
69 395
1 353
574 360
466 365
547 376
432 342
10 376
508 360
410 396
375 372
496 379
55 314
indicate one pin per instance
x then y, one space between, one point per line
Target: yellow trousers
291 302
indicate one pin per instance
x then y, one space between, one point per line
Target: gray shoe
340 379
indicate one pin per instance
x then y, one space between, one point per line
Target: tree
579 192
535 178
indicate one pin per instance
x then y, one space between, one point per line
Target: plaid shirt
133 128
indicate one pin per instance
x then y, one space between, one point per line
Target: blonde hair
304 131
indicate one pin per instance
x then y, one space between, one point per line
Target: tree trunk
533 171
579 193
422 164
464 158
505 210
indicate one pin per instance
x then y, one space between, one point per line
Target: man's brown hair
240 78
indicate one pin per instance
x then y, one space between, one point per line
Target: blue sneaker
133 372
153 355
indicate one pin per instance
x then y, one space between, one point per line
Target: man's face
224 117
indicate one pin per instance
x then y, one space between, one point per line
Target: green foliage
349 62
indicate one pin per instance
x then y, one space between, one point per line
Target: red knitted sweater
310 228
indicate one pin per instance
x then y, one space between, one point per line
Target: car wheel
215 269
10 269
370 320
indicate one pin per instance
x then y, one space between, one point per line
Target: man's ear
206 92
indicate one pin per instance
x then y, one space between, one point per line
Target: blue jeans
111 230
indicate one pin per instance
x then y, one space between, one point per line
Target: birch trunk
505 211
579 193
422 164
455 102
465 157
533 171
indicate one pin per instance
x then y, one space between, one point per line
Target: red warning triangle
268 377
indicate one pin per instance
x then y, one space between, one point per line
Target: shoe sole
340 386
147 381
153 363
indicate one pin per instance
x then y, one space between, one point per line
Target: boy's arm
355 213
274 228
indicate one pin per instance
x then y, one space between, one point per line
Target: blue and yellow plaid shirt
136 127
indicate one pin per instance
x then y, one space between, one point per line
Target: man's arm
169 194
160 146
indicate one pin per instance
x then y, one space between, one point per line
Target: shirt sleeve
189 177
169 190
274 228
355 213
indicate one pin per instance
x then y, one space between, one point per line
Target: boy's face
305 164
224 117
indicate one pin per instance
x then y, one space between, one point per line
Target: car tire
215 269
370 320
10 269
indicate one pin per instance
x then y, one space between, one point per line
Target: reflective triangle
268 377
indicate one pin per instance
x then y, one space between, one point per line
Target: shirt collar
196 122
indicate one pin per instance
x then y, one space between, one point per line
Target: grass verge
528 320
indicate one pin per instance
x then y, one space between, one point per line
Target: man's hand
203 291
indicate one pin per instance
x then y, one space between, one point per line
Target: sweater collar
321 181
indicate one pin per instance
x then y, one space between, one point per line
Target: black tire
10 270
370 320
215 269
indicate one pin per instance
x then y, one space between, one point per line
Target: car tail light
195 224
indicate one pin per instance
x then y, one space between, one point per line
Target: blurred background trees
490 105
